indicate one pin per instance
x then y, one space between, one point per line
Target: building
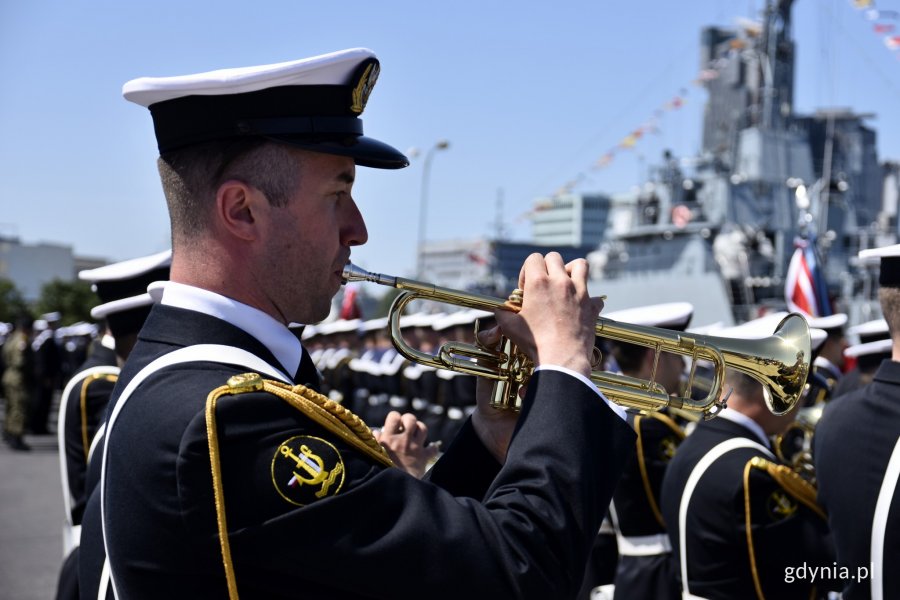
570 220
31 266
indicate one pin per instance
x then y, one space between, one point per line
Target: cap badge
307 468
364 87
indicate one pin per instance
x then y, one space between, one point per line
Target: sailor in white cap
643 568
829 361
865 355
735 516
48 367
226 472
124 305
857 459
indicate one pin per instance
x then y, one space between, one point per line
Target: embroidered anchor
782 506
314 466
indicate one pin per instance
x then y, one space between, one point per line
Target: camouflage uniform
18 381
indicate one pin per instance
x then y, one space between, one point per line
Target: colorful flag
349 305
883 28
805 290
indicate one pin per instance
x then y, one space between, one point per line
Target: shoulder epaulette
327 413
85 384
642 464
792 484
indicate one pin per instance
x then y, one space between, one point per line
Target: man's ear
237 206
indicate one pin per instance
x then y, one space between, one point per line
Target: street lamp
423 201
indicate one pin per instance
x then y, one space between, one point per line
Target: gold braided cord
218 492
330 415
85 443
749 530
642 465
676 429
793 484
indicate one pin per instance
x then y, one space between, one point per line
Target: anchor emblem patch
306 469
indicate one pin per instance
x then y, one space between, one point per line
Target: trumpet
794 445
780 362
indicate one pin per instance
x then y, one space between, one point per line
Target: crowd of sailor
362 369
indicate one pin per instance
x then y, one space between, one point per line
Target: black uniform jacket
637 506
785 533
77 432
474 530
853 442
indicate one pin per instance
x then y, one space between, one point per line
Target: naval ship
719 229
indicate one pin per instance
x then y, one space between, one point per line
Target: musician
857 456
829 361
720 549
644 567
124 305
874 346
262 489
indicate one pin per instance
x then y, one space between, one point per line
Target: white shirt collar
274 335
824 363
108 341
741 419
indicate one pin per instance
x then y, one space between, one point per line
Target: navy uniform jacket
636 502
476 529
853 442
785 532
76 434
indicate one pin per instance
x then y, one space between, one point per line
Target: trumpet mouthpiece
353 273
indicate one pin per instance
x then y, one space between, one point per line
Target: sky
528 96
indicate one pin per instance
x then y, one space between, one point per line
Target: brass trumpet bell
780 362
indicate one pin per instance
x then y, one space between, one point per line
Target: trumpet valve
514 302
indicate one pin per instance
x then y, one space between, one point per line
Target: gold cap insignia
364 86
306 469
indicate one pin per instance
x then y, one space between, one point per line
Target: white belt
71 538
644 545
880 521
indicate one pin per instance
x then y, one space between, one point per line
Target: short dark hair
191 177
889 297
628 356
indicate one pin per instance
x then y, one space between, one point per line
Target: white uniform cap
669 315
817 337
871 255
312 103
761 327
889 263
123 286
870 330
420 319
461 317
869 348
338 326
374 324
834 321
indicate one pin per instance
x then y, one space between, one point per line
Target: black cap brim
365 151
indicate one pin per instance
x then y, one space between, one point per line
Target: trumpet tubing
780 362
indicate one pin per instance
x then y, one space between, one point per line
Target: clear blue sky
529 95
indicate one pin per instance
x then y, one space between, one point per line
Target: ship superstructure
719 229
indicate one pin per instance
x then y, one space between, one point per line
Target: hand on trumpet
558 317
405 439
554 327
